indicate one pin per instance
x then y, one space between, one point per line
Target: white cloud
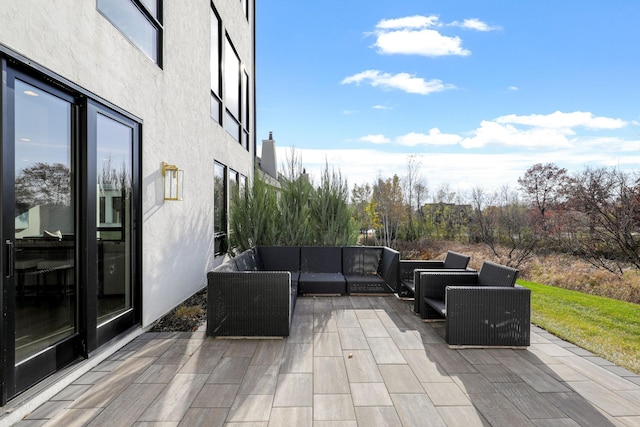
566 139
425 42
381 107
375 139
475 24
559 120
417 35
435 137
416 21
466 170
461 171
495 133
402 81
537 131
555 130
514 88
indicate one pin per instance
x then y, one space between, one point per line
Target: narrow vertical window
232 90
220 208
216 100
242 184
234 184
245 111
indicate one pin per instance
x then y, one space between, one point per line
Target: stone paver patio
350 361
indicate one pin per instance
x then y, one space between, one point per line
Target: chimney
269 161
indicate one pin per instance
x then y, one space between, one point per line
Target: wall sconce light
173 178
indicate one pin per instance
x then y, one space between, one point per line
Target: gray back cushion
317 259
456 260
492 274
280 258
360 260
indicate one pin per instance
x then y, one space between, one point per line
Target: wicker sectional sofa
254 293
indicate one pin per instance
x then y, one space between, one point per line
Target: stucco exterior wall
72 39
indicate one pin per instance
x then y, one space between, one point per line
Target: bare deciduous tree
414 187
543 186
500 221
602 221
388 201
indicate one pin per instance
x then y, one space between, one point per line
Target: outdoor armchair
482 308
410 271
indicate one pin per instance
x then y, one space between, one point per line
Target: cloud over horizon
535 131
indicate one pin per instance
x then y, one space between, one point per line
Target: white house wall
72 39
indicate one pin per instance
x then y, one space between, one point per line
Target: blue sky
478 91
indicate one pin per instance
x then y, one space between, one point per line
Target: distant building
124 125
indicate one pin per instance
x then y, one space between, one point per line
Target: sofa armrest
488 316
389 268
249 303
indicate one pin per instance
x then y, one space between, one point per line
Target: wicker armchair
410 272
482 308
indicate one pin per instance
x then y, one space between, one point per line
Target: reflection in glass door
70 196
113 222
46 297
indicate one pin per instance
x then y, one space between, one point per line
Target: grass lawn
604 326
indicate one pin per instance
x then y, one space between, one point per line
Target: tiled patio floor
350 361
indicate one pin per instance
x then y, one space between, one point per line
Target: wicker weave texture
488 316
256 303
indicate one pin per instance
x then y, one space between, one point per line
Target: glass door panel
113 219
44 221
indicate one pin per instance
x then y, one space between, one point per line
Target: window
245 111
232 90
216 101
140 22
220 208
243 184
230 83
245 6
234 184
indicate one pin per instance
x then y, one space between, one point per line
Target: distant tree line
594 213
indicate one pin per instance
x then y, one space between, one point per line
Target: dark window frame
216 93
232 121
238 126
154 19
220 235
245 109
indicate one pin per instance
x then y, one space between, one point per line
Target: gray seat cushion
316 283
437 305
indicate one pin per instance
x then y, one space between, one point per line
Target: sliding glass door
69 214
39 226
115 240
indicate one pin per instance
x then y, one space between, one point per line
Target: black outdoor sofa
254 293
484 309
